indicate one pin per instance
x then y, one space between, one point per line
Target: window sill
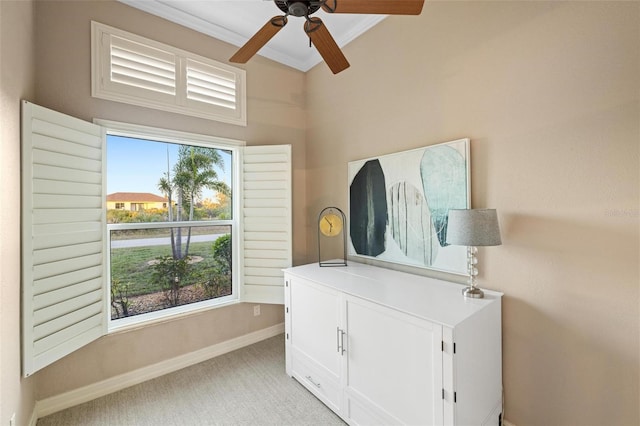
167 315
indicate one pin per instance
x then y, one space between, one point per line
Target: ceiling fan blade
259 39
326 45
382 7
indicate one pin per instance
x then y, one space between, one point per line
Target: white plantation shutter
62 224
137 65
266 216
139 71
211 85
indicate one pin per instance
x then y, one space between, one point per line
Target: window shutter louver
63 248
266 210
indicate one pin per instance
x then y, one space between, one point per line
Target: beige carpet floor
244 387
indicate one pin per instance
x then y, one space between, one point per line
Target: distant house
135 201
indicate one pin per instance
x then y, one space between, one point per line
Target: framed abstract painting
399 205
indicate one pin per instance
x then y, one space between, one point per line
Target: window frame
184 138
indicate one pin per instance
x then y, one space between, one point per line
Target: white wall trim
34 418
87 393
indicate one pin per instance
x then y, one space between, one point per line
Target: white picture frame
398 205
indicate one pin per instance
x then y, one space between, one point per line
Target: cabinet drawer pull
340 340
309 378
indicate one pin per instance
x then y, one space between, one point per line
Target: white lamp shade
473 227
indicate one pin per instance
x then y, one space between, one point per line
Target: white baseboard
507 423
87 393
34 418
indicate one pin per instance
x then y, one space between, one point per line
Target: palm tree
165 186
193 172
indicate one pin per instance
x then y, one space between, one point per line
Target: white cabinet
383 347
394 373
312 351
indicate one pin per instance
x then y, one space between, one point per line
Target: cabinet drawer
318 381
363 414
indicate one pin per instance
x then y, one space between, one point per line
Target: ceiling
235 21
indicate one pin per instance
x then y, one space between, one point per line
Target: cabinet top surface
429 298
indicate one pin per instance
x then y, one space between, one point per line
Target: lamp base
473 292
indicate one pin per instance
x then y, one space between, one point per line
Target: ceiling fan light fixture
298 9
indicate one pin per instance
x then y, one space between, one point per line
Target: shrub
172 275
119 297
128 216
222 252
219 282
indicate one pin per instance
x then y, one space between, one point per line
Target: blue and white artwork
399 204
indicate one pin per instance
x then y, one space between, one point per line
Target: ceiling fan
315 28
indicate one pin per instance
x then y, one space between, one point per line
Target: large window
178 242
173 250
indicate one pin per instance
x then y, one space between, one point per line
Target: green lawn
133 234
131 265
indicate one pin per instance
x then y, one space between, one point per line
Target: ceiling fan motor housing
298 7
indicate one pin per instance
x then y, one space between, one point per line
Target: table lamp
473 228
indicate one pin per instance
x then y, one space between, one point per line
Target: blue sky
136 165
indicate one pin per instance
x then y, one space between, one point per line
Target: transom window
136 70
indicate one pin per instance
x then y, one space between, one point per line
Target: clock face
330 224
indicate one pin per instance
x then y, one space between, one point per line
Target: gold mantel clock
331 221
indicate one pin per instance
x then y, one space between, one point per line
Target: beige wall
17 66
549 95
275 115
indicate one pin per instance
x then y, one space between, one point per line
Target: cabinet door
314 337
394 366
